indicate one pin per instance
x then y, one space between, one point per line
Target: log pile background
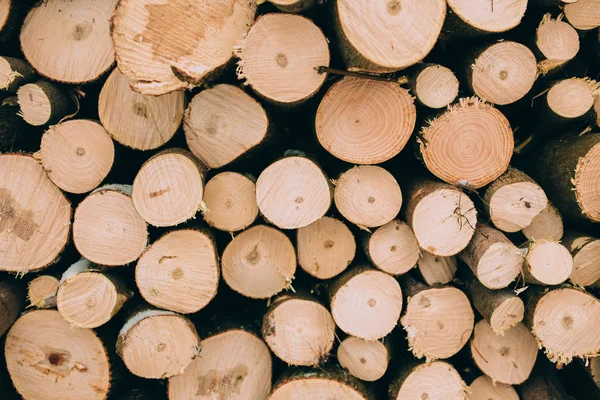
300 199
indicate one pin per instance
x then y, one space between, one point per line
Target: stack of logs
301 199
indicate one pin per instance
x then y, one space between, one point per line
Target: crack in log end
222 386
160 192
163 258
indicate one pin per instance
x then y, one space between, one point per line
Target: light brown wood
293 6
583 14
5 8
11 303
471 143
222 123
69 41
160 59
157 344
325 248
548 225
485 388
41 291
299 330
558 42
368 196
136 120
293 192
494 259
107 229
513 200
179 271
597 108
565 322
43 103
230 202
393 248
318 384
573 98
259 262
438 322
547 263
505 15
279 56
594 370
373 34
436 86
436 380
168 188
77 155
366 303
442 217
234 364
35 215
364 121
504 72
365 360
87 298
436 269
585 250
506 359
14 72
57 359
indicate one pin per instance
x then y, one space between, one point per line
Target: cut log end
486 388
438 322
35 215
572 98
547 225
436 269
436 380
234 363
223 123
58 358
77 155
505 14
471 142
41 291
436 86
587 181
365 360
504 73
13 72
4 13
160 59
135 120
314 386
558 42
325 248
277 64
168 189
365 121
230 200
179 271
549 262
367 305
157 344
36 106
586 253
368 32
506 359
293 192
368 196
597 105
393 248
259 262
508 314
583 14
107 229
299 331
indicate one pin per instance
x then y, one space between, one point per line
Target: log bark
41 291
466 18
365 303
160 59
293 192
363 121
36 216
367 33
157 344
165 199
325 248
223 123
568 168
442 139
57 358
299 330
44 103
70 50
11 303
544 383
585 250
368 196
556 43
259 262
14 73
13 130
136 120
436 269
441 216
494 259
433 85
278 66
485 387
547 263
392 248
583 14
365 360
428 380
547 225
107 229
179 271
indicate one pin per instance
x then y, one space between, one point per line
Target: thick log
433 85
364 359
583 14
436 269
556 43
485 387
392 248
467 18
547 263
436 380
41 291
14 73
44 103
547 225
585 250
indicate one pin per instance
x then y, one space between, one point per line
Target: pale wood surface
366 360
